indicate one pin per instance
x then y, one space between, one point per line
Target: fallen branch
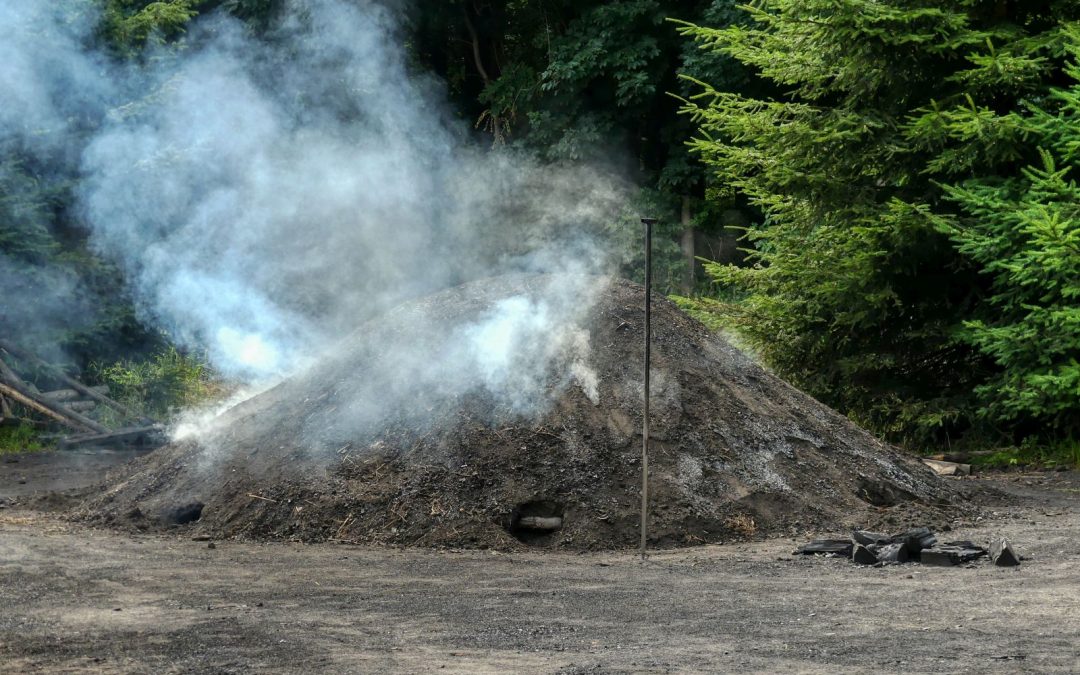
265 499
152 435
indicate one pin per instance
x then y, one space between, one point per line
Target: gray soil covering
84 600
737 453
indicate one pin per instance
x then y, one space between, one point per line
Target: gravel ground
74 599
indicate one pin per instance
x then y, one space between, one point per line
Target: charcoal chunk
915 540
1003 555
865 538
891 553
839 547
952 553
863 556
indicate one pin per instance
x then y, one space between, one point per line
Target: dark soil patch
737 453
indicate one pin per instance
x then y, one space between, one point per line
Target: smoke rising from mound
50 88
265 197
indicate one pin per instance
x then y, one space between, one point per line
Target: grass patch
1062 453
160 386
23 438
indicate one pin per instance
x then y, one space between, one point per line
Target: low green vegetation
161 385
1062 454
21 438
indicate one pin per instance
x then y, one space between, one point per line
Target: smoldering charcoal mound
354 450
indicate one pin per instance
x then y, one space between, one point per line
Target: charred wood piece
915 540
891 553
1003 555
549 524
838 547
861 555
952 553
864 538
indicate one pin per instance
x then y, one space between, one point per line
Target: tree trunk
687 245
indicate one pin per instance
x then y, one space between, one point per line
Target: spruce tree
853 292
1023 233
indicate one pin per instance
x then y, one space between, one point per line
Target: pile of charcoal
917 545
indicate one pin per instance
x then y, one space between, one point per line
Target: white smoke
267 199
50 84
51 88
266 196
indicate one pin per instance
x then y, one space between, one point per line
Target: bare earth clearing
75 599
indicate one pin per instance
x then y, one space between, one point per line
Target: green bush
161 385
22 438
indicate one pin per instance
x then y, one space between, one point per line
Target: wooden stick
648 222
75 384
18 397
5 409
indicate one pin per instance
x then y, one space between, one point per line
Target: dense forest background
878 198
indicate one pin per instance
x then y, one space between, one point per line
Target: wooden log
5 408
540 523
72 394
152 435
915 540
29 402
75 384
11 377
79 406
951 553
961 457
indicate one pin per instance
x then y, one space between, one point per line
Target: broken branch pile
66 406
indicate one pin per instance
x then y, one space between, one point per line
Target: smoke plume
267 196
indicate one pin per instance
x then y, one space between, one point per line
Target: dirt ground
75 599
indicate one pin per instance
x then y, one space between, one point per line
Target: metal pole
649 222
